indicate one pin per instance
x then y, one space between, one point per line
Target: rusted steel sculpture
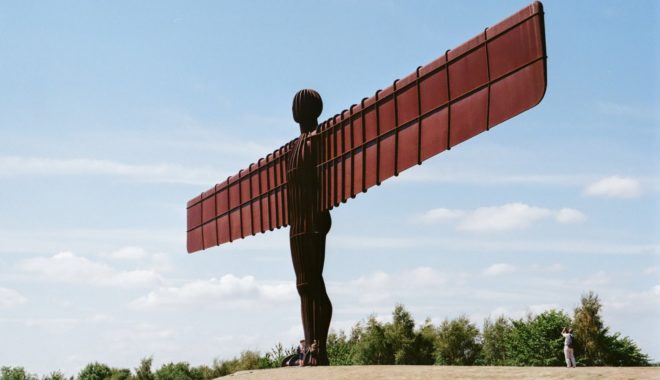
492 77
309 223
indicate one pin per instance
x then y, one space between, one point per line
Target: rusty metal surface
309 224
252 201
492 77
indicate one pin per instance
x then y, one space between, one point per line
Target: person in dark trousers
301 354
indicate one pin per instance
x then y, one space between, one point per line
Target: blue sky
114 113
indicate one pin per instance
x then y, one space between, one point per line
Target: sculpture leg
308 254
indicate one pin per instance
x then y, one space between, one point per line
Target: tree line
531 341
534 340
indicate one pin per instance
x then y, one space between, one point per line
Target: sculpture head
307 107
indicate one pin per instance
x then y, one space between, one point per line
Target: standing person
568 347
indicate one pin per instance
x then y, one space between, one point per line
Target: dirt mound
441 372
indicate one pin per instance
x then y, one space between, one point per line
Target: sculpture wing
481 83
252 201
488 79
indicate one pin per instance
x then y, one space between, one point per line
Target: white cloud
645 302
596 279
652 270
553 268
169 173
436 172
569 215
10 298
67 267
491 244
420 277
30 240
129 253
441 215
159 262
229 291
382 289
499 269
510 216
500 311
540 308
614 187
629 111
656 290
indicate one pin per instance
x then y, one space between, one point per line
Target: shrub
371 346
57 375
15 373
495 334
536 341
340 350
457 342
143 372
95 371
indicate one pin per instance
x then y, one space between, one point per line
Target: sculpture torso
303 188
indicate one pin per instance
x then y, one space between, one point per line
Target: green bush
15 373
536 341
277 354
95 371
623 352
340 350
495 335
457 342
371 345
120 374
143 372
57 375
177 371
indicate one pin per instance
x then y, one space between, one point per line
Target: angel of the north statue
492 77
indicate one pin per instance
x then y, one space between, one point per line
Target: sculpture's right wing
481 83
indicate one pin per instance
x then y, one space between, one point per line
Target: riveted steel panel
434 134
433 91
386 158
468 117
210 234
407 105
408 139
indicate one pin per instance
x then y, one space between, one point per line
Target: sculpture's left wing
481 83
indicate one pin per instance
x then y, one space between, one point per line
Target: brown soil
441 372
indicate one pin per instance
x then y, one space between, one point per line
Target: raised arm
253 200
492 77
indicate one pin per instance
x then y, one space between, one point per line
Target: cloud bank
614 187
507 217
67 267
38 166
10 298
228 291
